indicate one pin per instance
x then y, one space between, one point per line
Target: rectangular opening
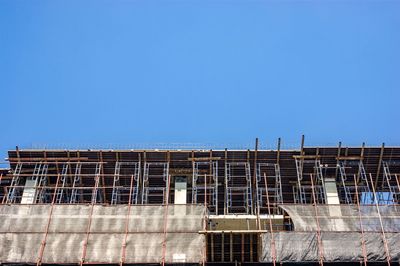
180 195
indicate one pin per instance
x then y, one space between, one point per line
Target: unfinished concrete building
314 205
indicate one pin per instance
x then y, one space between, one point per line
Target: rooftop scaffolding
255 200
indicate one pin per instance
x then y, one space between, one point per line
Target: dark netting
341 237
336 246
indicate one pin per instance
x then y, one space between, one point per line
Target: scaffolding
238 187
347 187
273 174
363 232
390 187
34 188
123 173
13 191
95 234
242 206
306 169
83 194
62 194
155 181
205 184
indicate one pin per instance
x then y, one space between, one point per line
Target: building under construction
310 205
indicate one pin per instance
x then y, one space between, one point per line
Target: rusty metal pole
205 219
380 221
93 200
164 245
123 254
273 246
43 243
320 247
364 250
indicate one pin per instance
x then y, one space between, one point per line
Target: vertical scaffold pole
223 247
164 245
123 253
380 221
43 243
254 181
1 177
205 220
364 250
320 248
273 247
93 202
226 182
258 220
242 246
398 184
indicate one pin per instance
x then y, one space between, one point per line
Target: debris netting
340 234
23 227
336 246
344 217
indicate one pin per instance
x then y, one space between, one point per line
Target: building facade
314 205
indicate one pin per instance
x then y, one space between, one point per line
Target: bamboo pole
320 248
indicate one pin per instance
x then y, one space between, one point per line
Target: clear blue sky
79 73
